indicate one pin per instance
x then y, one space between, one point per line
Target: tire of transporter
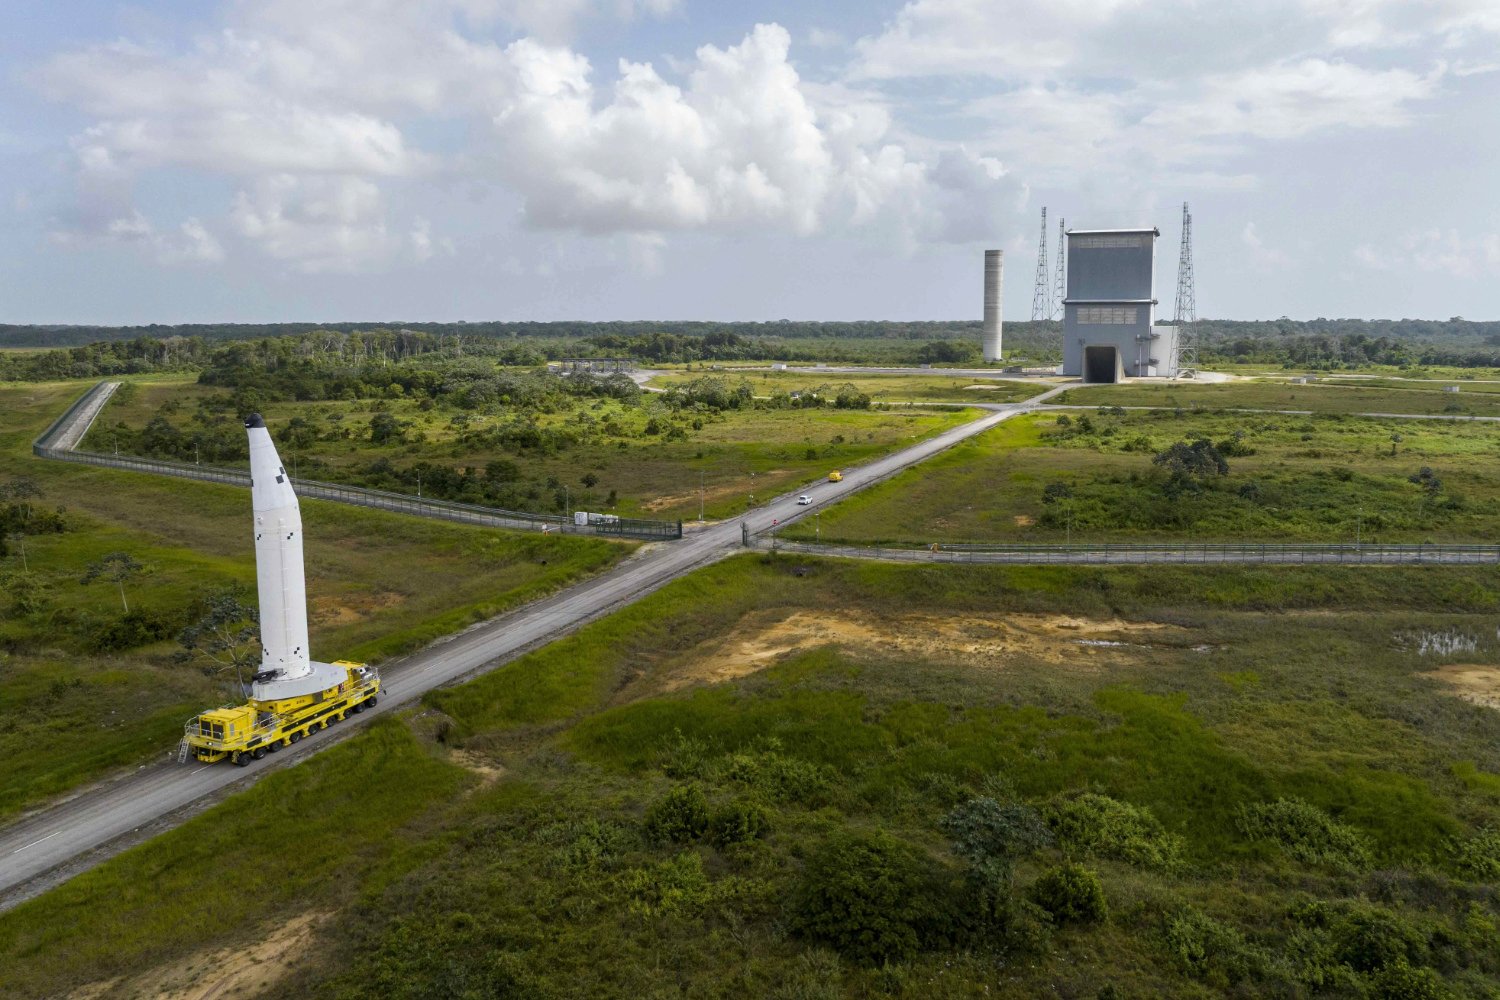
241 759
294 737
371 702
258 752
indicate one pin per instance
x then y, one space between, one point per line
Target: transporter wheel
294 737
371 702
276 745
258 752
357 707
241 759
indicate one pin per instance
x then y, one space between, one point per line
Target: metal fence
1154 552
46 446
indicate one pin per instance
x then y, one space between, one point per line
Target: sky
262 160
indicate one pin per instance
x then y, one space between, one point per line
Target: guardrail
446 510
1153 552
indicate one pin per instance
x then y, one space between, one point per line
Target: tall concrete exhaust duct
994 287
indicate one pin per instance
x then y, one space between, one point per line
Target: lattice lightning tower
1186 362
1060 283
1041 299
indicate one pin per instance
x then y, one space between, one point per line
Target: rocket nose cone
254 420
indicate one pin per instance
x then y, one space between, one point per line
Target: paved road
48 847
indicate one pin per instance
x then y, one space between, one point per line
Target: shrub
676 884
1478 857
1372 938
1400 981
1207 949
863 895
135 628
738 823
586 844
1099 825
1306 833
1072 894
1053 492
982 829
775 775
679 816
1025 928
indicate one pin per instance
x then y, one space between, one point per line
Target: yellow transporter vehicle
250 731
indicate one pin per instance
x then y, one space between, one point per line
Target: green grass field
1345 396
880 388
731 455
1188 694
379 585
1313 479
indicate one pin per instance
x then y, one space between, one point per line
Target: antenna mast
1041 299
1060 285
1186 362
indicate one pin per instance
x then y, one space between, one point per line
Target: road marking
35 842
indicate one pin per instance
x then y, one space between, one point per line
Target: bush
131 630
1372 938
777 776
1400 981
984 830
1094 824
865 896
680 816
1478 857
677 884
1207 949
1072 894
1307 833
738 823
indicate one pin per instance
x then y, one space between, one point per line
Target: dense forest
1313 344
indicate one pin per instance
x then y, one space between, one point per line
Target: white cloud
1260 254
310 109
1286 100
1029 40
741 142
1435 250
317 224
190 243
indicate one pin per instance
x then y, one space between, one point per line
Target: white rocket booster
286 668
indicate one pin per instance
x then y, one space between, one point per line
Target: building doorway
1101 363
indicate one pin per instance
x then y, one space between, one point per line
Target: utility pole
419 484
700 496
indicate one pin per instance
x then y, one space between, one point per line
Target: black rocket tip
255 420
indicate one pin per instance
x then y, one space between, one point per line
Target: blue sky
258 160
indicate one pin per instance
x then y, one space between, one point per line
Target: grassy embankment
77 700
880 388
1189 694
1349 396
1311 479
733 454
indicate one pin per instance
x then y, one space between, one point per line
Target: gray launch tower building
1108 327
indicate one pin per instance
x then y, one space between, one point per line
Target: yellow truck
250 731
835 476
